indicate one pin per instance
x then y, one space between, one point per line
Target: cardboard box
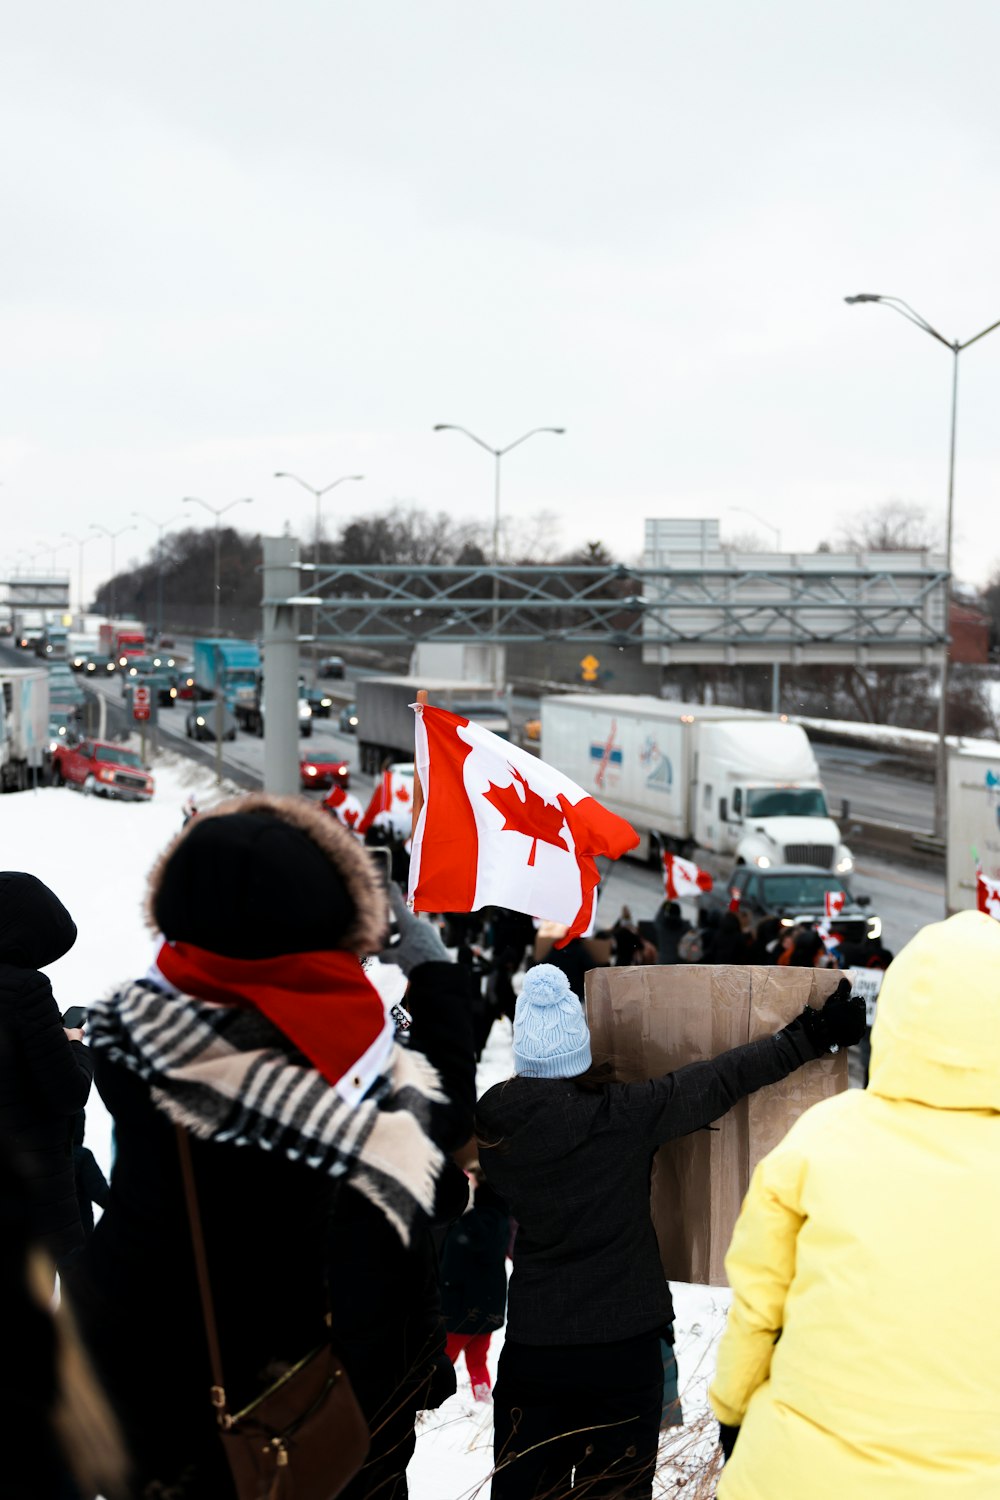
651 1020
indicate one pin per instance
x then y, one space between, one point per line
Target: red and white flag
682 877
833 903
345 808
500 828
393 795
987 894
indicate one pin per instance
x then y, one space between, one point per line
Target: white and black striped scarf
228 1074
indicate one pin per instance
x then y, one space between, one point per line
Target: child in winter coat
474 1280
579 1395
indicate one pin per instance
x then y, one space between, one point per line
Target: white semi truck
973 822
728 780
24 725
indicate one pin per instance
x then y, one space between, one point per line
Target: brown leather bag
305 1437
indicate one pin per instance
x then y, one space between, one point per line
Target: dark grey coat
44 1077
573 1165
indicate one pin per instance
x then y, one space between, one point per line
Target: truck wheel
90 786
57 776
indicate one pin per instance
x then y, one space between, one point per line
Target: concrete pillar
280 640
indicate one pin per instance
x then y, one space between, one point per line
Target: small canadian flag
345 808
392 795
682 877
833 903
500 828
987 894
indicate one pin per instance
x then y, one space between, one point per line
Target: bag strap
218 1390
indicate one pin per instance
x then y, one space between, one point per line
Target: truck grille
810 854
130 783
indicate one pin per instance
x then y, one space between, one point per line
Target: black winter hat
261 876
35 927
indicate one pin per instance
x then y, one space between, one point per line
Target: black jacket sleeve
62 1070
692 1097
440 1002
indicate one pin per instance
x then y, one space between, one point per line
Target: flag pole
418 791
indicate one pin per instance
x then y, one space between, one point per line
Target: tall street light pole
498 454
161 527
956 346
317 495
217 511
81 542
114 535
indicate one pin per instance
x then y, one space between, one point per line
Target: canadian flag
682 877
500 828
987 894
345 808
833 903
393 795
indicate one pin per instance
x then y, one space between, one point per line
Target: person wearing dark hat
45 1070
579 1393
257 1031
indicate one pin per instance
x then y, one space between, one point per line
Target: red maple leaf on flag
401 793
529 814
351 816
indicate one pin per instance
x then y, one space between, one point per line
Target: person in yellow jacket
862 1352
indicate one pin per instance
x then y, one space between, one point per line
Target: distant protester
580 1390
831 1382
257 1032
45 1070
670 927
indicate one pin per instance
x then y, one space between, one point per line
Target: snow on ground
96 855
888 735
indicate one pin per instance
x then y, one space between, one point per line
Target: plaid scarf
228 1075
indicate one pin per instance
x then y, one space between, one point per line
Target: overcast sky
241 237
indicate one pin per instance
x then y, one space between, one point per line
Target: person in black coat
474 1280
387 1322
579 1393
265 905
45 1071
670 927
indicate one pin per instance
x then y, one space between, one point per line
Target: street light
81 542
114 535
217 511
161 527
498 454
956 346
318 494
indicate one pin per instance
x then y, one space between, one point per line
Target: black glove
840 1022
727 1439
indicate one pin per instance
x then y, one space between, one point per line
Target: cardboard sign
650 1020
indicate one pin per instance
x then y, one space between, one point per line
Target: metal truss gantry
848 611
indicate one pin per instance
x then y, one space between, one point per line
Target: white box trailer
729 780
973 822
24 725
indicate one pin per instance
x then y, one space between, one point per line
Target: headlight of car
173 692
325 702
310 770
341 770
111 666
763 861
844 865
53 745
104 775
874 928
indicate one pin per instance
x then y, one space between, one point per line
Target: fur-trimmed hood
230 883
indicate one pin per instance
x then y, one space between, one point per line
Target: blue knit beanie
551 1036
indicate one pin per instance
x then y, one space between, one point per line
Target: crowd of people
301 1165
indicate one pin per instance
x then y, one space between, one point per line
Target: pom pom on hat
546 985
551 1036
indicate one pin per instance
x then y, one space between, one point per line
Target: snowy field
96 855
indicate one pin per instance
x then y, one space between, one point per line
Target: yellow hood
936 1037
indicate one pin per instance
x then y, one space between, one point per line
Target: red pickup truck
99 766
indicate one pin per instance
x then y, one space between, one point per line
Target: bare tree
893 526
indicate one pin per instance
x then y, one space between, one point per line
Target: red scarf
321 1001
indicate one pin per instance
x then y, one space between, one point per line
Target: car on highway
799 896
348 721
203 718
319 701
104 768
331 666
81 649
159 673
324 771
63 727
